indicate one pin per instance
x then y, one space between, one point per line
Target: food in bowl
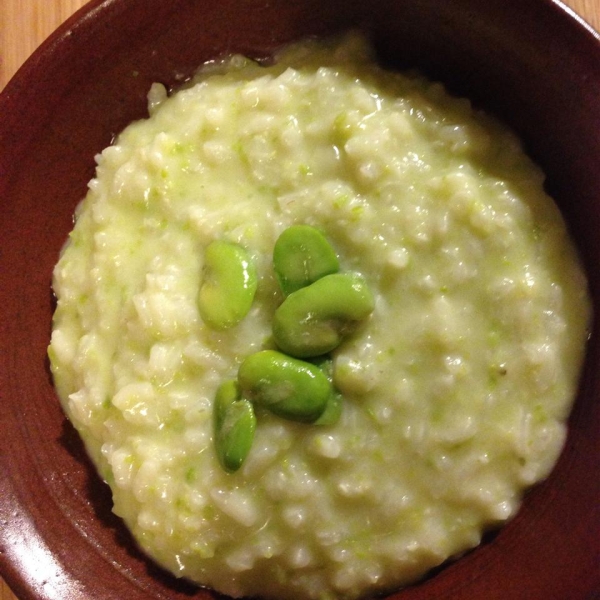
453 388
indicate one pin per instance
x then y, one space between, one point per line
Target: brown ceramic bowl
529 61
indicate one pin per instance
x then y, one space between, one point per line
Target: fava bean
234 425
301 256
228 285
314 319
333 410
288 387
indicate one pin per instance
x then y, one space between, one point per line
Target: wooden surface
24 24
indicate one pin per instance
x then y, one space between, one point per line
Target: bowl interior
527 61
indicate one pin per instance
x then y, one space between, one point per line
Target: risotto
454 388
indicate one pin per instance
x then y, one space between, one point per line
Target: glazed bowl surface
530 62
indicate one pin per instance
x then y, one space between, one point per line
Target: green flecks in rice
456 389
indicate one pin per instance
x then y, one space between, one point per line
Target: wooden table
24 24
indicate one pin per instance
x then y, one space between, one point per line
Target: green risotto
258 441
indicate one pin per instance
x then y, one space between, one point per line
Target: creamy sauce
456 389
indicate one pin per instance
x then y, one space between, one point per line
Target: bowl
531 62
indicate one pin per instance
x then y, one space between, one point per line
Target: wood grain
24 24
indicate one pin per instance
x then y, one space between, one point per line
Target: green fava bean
333 409
288 387
314 319
234 425
301 256
228 285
